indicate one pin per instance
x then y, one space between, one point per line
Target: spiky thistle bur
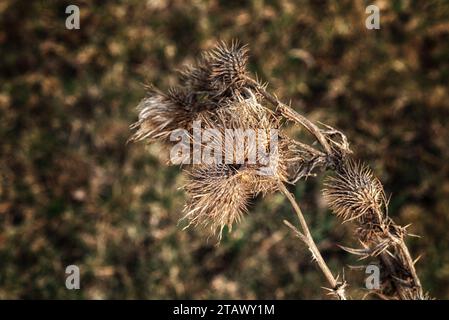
213 85
355 193
160 113
219 192
250 162
220 71
228 65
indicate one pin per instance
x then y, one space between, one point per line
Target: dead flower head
160 114
219 195
354 192
219 72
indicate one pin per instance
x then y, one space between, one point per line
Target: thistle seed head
264 149
219 73
228 64
160 114
219 195
354 193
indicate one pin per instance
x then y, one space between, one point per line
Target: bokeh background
73 192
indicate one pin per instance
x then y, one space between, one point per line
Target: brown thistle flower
228 65
354 192
219 194
218 91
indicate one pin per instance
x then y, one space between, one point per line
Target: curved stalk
336 288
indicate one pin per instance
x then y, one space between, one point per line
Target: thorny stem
337 288
386 259
403 292
292 115
403 257
411 267
308 148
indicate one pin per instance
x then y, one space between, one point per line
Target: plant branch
292 115
411 267
338 289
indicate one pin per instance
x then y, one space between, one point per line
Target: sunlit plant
219 93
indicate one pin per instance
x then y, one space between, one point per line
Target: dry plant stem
386 259
404 291
306 236
291 114
411 265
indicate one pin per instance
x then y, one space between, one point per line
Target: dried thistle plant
355 194
219 91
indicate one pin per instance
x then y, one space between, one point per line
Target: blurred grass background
73 192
